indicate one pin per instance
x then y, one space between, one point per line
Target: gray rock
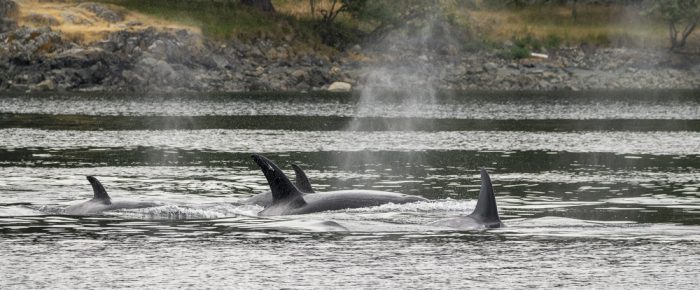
259 71
41 19
163 72
220 61
133 23
46 85
302 87
475 70
102 12
272 54
320 76
490 67
550 74
148 62
159 48
299 74
339 87
75 18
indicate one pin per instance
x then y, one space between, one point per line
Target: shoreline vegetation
226 46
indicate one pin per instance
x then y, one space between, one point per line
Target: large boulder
340 87
29 41
74 18
45 85
102 11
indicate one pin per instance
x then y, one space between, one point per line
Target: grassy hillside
220 19
80 25
603 25
537 26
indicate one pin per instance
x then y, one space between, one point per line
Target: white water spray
408 65
404 75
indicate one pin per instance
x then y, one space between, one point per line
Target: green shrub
552 41
528 41
517 52
600 38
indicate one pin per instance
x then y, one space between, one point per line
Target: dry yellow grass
614 25
94 28
301 9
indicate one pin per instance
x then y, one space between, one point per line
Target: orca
101 202
485 215
265 199
288 200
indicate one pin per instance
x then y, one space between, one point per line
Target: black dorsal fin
283 191
99 191
486 210
302 181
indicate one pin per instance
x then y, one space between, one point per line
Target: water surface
588 201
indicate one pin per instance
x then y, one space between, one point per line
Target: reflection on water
587 201
477 105
539 253
662 143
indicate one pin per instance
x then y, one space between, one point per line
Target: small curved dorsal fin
303 183
99 191
283 191
486 209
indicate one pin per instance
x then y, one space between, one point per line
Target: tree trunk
673 35
262 5
312 5
686 32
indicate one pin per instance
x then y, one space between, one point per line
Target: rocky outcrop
154 60
102 11
179 60
578 68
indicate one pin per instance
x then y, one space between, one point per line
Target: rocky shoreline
178 60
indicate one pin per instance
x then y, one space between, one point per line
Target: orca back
486 210
303 183
283 190
99 191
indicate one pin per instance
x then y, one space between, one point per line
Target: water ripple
678 143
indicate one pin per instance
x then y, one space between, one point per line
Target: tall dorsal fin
99 191
283 191
486 209
302 181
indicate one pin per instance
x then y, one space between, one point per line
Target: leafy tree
682 17
336 7
381 16
387 15
383 13
331 32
